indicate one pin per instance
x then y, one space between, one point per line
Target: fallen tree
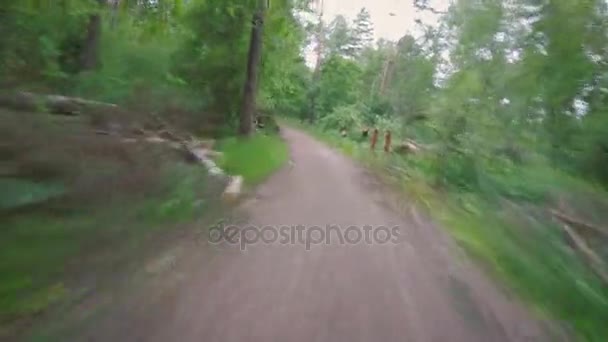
576 234
54 104
578 223
408 146
196 150
593 261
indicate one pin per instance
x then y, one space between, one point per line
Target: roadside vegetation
101 104
38 247
255 159
497 116
498 126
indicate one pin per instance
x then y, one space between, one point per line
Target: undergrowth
40 247
254 158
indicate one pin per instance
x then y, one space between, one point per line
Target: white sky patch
485 54
514 56
392 19
580 107
500 37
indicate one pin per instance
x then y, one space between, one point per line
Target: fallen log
233 190
193 150
578 223
54 104
408 146
594 262
419 146
200 156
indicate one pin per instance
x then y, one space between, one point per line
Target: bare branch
423 5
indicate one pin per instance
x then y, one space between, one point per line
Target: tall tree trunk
318 7
89 58
253 65
315 80
115 5
387 72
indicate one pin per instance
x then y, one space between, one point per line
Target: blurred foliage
36 249
185 61
509 100
182 60
189 54
255 158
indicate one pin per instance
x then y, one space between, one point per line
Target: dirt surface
419 289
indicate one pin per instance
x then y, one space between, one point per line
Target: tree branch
578 223
423 5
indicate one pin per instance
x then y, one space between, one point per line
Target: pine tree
363 31
340 36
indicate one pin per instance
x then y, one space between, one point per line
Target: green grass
525 251
19 192
38 248
530 256
254 158
33 251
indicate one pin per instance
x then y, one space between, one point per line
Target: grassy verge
254 158
507 230
40 249
527 251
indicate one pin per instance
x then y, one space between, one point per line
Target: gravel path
421 288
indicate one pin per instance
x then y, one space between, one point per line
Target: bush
342 117
253 158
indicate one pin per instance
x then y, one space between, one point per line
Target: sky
385 25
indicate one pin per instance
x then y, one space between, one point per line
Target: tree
320 49
409 79
285 78
253 65
339 38
338 85
363 32
90 53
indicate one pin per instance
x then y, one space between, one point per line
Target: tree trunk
318 63
115 5
313 96
388 70
89 59
253 65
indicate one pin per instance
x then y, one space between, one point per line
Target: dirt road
420 289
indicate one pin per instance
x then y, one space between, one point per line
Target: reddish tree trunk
387 141
374 139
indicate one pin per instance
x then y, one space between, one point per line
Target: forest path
421 288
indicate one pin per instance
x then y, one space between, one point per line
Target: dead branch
192 149
409 146
577 222
593 260
424 6
406 147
